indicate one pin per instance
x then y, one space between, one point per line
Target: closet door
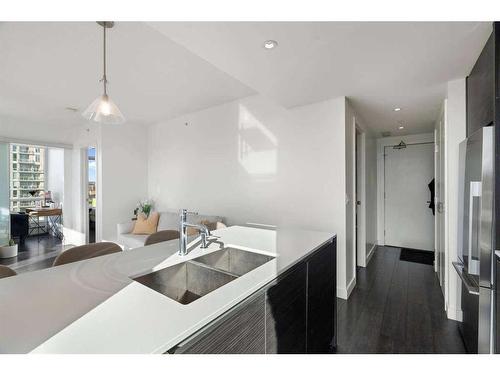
4 194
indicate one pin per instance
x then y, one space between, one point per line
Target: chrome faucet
206 236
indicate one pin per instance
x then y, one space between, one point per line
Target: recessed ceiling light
270 44
397 109
401 127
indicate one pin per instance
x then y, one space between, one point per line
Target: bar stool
162 236
6 272
84 252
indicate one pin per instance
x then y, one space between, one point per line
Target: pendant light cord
104 79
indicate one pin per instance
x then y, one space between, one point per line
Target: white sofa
168 220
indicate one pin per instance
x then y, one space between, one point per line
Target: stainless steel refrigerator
475 242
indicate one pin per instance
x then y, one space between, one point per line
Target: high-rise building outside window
27 175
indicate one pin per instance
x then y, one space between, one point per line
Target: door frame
381 144
84 191
437 224
359 194
441 202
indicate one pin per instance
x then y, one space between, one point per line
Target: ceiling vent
386 134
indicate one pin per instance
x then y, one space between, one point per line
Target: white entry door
408 219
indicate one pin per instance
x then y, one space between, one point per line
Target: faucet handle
185 212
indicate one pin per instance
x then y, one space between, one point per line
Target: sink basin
236 261
186 282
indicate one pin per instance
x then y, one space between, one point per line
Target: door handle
471 288
474 192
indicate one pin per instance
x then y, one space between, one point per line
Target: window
27 176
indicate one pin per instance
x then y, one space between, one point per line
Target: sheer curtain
4 194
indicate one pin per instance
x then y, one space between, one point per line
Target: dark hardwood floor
37 252
396 307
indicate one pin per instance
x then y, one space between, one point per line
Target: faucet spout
205 232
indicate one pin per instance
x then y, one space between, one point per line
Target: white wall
253 161
55 174
455 133
122 173
4 194
440 183
367 211
69 193
371 194
122 153
75 226
381 143
63 180
350 180
73 209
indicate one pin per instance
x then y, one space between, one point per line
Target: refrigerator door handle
471 288
475 192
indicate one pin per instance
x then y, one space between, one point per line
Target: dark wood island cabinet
295 313
321 300
286 312
241 330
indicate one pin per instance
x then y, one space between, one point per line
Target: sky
92 167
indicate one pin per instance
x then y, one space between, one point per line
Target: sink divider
199 264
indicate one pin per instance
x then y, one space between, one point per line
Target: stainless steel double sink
186 282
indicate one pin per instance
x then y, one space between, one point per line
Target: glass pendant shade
104 111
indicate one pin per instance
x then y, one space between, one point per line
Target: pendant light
103 110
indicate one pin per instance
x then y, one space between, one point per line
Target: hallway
396 307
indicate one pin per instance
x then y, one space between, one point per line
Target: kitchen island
285 305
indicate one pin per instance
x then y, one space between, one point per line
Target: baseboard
344 293
370 253
351 286
454 313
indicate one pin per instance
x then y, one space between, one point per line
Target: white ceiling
45 67
380 66
161 70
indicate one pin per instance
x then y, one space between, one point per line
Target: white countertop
95 307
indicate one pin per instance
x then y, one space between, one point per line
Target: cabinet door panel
481 89
286 313
240 331
321 300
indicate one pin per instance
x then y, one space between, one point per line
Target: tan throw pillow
191 231
220 225
146 225
209 224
